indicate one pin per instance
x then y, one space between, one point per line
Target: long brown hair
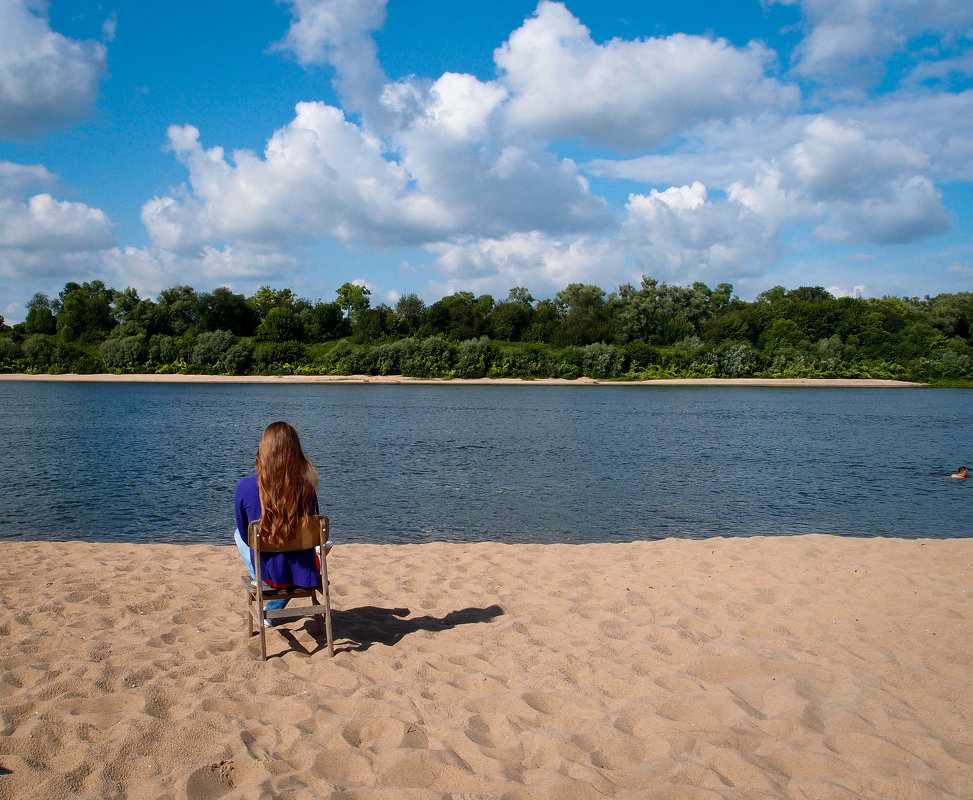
286 481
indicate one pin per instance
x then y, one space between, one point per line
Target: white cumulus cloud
339 33
17 179
681 235
677 234
460 106
628 94
318 176
495 184
44 223
44 241
851 40
873 189
941 123
152 269
842 162
470 169
839 175
535 259
46 79
322 175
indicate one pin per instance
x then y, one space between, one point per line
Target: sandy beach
400 379
773 667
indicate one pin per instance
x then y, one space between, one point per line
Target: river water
530 463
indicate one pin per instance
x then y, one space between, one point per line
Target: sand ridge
400 379
764 667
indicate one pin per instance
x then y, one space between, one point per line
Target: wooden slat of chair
314 533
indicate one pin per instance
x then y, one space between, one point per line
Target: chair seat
279 591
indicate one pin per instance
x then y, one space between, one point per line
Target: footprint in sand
150 606
210 782
189 617
265 742
960 752
614 751
348 766
112 705
545 702
375 734
492 730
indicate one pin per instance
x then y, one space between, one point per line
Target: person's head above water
962 472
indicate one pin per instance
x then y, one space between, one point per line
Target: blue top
299 568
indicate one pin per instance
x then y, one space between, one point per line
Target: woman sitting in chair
281 493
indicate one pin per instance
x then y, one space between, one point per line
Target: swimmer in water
961 473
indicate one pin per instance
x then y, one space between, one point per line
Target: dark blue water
159 462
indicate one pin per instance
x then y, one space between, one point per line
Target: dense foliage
655 330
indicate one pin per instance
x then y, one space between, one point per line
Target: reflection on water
157 462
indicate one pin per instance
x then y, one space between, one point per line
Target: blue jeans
247 555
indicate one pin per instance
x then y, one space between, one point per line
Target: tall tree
511 318
585 320
459 316
323 322
353 298
135 316
267 298
281 324
409 312
84 311
40 318
179 310
224 310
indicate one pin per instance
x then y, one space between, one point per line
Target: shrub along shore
651 332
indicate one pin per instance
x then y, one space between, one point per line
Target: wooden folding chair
314 533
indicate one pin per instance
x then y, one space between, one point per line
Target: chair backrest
314 531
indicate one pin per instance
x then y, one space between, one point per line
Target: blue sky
454 145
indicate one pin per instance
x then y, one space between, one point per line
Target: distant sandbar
401 379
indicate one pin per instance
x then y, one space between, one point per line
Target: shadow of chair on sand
357 629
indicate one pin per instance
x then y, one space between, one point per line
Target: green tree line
654 330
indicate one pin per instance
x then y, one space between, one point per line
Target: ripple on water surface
159 462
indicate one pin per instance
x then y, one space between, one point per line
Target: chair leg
326 587
317 617
263 621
